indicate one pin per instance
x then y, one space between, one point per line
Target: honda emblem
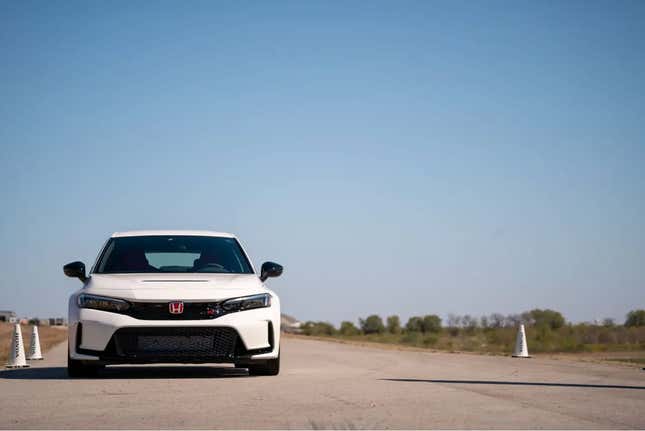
176 307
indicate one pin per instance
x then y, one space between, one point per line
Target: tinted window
144 254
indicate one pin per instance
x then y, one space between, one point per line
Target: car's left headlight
247 302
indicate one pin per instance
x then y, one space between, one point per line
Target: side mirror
270 269
75 270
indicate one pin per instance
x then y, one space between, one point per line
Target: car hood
171 287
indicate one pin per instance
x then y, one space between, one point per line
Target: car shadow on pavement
162 372
494 382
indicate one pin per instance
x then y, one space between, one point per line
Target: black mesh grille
173 343
161 311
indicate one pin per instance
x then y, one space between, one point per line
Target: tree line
432 324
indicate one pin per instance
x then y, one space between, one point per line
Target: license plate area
174 343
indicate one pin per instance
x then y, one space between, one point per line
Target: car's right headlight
102 303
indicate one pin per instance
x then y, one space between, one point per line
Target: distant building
48 321
289 324
56 321
8 316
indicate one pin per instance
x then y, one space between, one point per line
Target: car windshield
164 253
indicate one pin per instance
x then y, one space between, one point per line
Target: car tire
76 368
270 368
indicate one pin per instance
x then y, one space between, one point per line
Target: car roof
172 232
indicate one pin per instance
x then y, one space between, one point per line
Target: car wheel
76 368
270 368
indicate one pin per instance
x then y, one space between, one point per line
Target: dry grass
630 359
49 336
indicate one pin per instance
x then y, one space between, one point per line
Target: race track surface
331 385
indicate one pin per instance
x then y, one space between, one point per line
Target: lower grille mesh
157 343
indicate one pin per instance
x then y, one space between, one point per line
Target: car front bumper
249 335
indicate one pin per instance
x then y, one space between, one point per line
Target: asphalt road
331 385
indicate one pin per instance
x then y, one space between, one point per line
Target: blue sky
397 157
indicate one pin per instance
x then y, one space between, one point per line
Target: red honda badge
176 307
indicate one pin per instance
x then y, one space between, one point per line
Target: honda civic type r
173 296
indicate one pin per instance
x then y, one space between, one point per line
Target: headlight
102 303
247 302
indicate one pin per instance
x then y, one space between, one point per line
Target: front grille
161 311
172 343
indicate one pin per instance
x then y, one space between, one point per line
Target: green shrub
635 318
372 325
318 328
431 323
394 325
552 319
348 328
426 324
415 324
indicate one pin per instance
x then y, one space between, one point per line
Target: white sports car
173 296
